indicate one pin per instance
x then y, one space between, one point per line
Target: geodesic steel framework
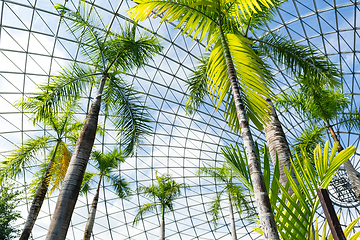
33 46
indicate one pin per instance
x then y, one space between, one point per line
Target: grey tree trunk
38 199
277 143
91 219
232 219
162 225
266 215
71 187
349 168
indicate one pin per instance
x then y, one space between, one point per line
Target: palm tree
324 104
164 195
235 192
104 163
298 60
53 168
230 53
108 55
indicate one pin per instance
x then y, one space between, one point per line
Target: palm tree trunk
278 145
70 190
232 219
92 213
349 168
266 215
162 225
38 198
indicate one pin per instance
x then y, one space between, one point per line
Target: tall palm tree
231 56
164 195
108 55
53 168
298 60
104 163
236 195
324 104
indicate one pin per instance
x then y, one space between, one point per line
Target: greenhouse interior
180 119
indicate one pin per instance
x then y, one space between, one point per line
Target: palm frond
66 87
197 85
251 21
238 165
128 115
128 50
198 17
300 59
86 22
121 186
350 119
325 104
59 169
241 199
215 208
253 81
24 155
308 140
105 162
86 182
144 209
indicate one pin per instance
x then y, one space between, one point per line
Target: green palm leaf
24 155
197 18
253 81
127 114
299 59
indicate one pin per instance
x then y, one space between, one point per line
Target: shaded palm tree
231 56
53 167
164 194
108 55
104 163
324 103
237 195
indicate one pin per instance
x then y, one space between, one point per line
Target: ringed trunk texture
277 143
266 215
349 168
232 220
38 199
70 190
162 225
91 219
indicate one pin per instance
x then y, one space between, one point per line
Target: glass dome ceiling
33 45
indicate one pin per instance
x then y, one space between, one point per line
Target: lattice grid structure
33 46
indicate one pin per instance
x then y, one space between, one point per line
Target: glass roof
33 46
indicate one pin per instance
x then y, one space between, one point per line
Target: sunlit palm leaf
87 23
59 169
197 18
253 81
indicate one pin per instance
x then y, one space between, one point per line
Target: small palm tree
104 163
324 103
108 55
164 195
236 195
52 168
